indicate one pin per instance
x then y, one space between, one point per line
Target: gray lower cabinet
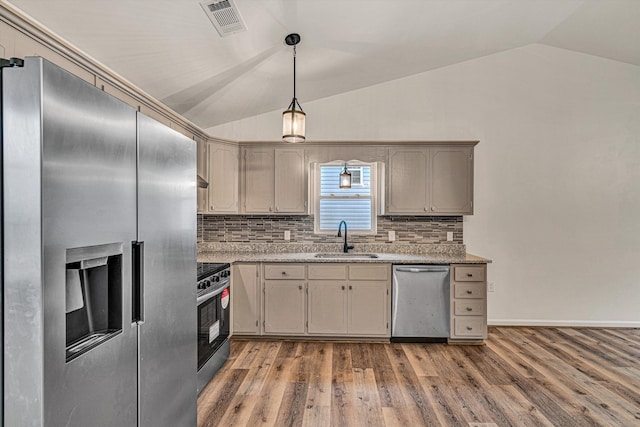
327 307
284 307
468 302
368 308
326 299
349 299
245 299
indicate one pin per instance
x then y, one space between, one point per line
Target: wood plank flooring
522 377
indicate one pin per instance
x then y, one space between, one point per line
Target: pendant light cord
294 76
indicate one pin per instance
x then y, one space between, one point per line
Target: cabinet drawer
369 272
327 271
469 327
469 274
284 271
468 307
469 290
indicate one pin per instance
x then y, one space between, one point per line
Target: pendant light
293 128
345 178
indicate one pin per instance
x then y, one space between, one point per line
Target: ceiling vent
224 15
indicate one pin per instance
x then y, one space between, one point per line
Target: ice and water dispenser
93 298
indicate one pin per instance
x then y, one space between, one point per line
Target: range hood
202 183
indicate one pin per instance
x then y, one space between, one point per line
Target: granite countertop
392 254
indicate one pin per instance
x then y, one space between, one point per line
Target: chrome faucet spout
346 246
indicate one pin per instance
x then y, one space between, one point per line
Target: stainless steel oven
213 319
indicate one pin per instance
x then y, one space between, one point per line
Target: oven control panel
213 282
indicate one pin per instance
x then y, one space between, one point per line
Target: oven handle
207 297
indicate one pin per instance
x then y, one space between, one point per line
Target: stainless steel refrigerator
98 258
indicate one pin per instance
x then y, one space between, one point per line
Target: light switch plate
449 236
392 236
287 235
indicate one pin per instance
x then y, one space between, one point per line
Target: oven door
213 322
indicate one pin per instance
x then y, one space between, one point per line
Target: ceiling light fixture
345 178
293 128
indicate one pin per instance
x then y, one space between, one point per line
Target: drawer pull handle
284 273
469 309
469 292
469 328
343 287
469 274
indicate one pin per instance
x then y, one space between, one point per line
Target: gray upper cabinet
434 180
408 192
203 171
290 181
223 178
275 180
451 180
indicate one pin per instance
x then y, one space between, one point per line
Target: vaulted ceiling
170 49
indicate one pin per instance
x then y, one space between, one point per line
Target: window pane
330 182
356 212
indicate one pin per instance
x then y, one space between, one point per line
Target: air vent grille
224 16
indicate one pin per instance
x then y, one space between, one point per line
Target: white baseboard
563 323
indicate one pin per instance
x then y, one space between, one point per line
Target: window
355 205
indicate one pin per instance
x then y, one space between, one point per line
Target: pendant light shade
293 124
293 119
345 178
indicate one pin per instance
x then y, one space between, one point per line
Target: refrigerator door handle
137 301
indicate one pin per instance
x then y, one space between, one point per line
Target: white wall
557 181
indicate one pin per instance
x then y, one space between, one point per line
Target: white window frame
374 186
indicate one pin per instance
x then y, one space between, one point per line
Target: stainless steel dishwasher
420 300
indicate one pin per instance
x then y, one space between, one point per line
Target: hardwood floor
522 377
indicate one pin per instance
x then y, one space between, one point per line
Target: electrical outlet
392 236
492 287
449 236
287 235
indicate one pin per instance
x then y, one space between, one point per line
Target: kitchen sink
343 255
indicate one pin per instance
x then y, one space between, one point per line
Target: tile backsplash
270 229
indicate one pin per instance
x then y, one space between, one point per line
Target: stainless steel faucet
346 245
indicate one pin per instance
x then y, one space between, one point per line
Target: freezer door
70 200
167 226
420 301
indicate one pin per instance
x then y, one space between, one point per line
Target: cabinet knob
284 273
469 328
469 309
469 292
277 210
300 287
426 209
213 207
270 209
343 287
433 208
350 287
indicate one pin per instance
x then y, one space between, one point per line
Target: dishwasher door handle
422 270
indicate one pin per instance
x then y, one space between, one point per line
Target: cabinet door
203 171
245 299
368 308
407 191
327 307
223 178
290 181
451 180
259 182
284 307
